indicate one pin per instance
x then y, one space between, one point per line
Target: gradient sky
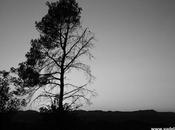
134 52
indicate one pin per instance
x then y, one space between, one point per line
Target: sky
134 48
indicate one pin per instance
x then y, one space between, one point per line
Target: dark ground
87 120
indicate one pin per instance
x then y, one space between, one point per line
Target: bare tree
63 42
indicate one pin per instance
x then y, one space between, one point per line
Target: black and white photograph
87 64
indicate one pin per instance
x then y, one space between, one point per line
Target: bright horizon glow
134 48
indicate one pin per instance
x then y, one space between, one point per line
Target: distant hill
87 120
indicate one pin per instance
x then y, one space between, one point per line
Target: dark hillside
88 120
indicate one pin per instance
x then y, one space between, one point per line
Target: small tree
8 101
58 50
4 90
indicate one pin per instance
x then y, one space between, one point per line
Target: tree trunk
61 91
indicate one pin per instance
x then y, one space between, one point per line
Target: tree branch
79 51
77 89
76 42
42 95
53 59
74 101
53 83
51 73
78 95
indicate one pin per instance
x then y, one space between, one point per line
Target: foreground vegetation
87 120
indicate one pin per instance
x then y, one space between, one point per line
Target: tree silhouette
3 91
58 50
8 101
